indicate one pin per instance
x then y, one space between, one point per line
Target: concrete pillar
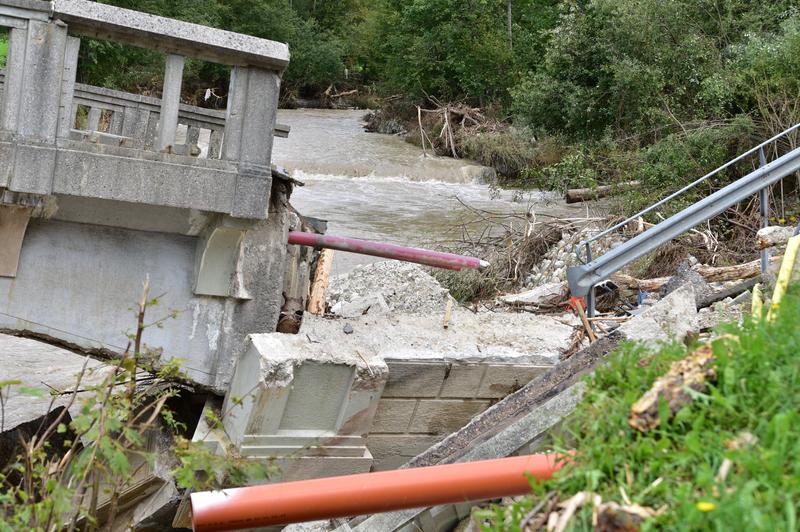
192 138
66 114
32 104
15 70
215 144
134 124
276 406
170 101
249 125
93 120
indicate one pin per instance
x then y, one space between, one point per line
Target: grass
757 391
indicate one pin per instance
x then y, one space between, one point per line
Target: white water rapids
379 187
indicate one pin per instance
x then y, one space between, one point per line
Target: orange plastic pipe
367 493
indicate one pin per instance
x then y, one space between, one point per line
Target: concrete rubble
397 380
404 287
673 317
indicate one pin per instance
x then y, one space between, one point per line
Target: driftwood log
711 274
773 236
577 195
319 287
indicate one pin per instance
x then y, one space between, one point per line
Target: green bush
675 466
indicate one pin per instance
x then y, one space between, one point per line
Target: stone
685 275
347 329
773 236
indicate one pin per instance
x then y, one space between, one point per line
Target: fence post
763 196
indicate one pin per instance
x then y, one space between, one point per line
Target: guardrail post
590 297
763 196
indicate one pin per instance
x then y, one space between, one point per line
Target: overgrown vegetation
726 461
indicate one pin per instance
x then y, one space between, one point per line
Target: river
379 187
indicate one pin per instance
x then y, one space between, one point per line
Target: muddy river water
379 187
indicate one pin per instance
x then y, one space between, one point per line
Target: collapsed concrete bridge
100 189
98 192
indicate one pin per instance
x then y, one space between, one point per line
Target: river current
379 187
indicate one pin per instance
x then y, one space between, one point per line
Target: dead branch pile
513 243
452 121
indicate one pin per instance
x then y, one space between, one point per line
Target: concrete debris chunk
686 275
720 312
773 236
673 317
549 294
371 304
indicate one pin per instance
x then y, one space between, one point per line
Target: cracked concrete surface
44 367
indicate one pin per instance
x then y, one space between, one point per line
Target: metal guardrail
583 278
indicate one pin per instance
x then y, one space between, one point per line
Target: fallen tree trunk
577 195
711 274
773 236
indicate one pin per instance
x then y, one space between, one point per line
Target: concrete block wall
424 401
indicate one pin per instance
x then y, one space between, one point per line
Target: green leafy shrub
675 467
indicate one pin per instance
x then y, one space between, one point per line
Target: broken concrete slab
512 338
276 408
43 367
673 317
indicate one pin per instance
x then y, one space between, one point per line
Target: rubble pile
399 287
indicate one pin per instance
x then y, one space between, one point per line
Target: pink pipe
437 259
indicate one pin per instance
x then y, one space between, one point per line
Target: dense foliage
595 91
